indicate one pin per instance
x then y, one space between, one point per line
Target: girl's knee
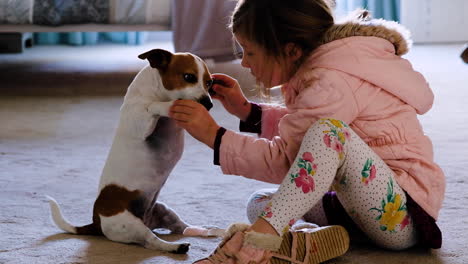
262 194
257 202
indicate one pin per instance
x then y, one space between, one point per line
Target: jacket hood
371 50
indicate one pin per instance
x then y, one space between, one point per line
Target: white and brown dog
146 147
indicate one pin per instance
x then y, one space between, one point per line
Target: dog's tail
62 223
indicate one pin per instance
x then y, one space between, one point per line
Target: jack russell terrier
146 147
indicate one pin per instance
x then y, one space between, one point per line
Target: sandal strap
294 246
283 257
333 241
219 256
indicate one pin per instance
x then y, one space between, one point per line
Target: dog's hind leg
127 228
162 216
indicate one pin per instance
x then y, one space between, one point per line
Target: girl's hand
194 118
231 96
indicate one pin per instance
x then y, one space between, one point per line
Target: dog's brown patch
173 76
206 77
114 199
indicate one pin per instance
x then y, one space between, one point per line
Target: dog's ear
158 58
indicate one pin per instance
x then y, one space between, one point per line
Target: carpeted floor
57 145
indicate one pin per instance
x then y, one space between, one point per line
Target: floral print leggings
332 156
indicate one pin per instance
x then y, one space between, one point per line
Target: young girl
349 124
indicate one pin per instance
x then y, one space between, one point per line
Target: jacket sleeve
263 114
268 159
253 123
271 115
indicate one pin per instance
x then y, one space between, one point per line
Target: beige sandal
303 246
312 245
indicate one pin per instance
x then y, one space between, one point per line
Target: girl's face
265 69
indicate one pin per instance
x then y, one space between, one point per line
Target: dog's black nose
206 102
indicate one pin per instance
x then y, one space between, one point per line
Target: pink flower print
307 156
373 172
346 133
336 145
405 222
369 172
314 167
327 140
267 212
303 173
305 181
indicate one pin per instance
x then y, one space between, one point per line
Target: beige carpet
57 146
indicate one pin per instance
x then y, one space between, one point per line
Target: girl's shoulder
320 84
318 78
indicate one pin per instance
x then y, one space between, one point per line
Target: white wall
436 20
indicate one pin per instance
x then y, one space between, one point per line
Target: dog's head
183 75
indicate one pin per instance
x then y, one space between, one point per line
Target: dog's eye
188 77
209 83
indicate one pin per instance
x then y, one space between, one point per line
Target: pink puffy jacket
363 81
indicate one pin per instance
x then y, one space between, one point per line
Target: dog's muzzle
206 102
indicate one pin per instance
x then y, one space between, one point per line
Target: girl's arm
255 118
269 160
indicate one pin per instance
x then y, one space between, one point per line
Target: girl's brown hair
272 24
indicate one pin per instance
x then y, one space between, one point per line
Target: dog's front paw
216 232
160 108
204 232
